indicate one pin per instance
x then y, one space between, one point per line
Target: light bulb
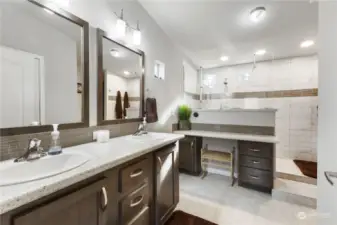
260 52
137 37
258 14
307 43
121 28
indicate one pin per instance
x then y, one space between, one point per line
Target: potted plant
184 114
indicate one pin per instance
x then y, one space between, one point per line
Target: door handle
328 175
105 198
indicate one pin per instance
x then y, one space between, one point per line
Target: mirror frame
100 81
85 95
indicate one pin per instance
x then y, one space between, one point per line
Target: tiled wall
288 85
14 146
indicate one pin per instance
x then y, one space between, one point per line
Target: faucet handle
34 143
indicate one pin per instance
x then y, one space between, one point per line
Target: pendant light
137 35
121 26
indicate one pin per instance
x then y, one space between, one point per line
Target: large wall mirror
120 81
44 68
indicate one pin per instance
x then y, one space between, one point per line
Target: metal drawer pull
192 144
328 176
256 162
105 198
254 150
136 173
254 177
160 162
136 202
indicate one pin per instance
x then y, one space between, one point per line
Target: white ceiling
207 29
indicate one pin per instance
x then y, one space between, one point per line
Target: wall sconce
121 25
137 35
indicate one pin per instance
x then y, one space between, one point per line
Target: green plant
184 112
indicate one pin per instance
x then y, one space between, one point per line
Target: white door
327 114
20 88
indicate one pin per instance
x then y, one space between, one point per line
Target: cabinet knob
105 198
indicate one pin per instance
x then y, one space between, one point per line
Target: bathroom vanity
129 180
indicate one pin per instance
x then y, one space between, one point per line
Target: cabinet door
167 182
83 207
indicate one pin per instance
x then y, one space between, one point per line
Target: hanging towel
126 103
118 106
151 110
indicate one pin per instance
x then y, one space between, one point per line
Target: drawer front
135 174
257 149
143 218
256 177
255 162
134 203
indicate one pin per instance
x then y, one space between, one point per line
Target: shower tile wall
296 118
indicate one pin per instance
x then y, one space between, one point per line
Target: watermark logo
304 215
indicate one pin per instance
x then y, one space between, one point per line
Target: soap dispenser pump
55 147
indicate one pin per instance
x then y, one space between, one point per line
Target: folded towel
151 110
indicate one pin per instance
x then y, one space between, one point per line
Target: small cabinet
82 207
190 155
167 182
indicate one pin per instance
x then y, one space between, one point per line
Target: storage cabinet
190 155
256 165
167 185
82 207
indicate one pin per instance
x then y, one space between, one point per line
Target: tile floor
215 200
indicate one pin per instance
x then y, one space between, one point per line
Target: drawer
255 162
257 149
256 177
143 218
134 203
133 175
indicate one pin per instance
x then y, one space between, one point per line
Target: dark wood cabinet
190 155
167 182
256 165
82 207
142 191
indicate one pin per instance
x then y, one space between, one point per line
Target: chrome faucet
33 152
141 129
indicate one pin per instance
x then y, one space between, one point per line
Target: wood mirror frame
85 95
100 81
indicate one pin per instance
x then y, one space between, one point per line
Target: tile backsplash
14 146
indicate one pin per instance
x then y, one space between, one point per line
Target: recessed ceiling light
114 53
224 58
260 52
258 14
307 43
126 72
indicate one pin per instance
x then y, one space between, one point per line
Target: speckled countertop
103 156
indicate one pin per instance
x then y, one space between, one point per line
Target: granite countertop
229 136
103 156
236 110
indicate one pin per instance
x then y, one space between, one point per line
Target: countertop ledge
103 156
229 136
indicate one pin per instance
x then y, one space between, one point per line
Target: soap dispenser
55 147
144 124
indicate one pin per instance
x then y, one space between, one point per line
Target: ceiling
205 29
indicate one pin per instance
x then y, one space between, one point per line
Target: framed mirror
45 68
120 93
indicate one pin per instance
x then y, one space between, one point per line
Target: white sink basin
147 137
16 173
